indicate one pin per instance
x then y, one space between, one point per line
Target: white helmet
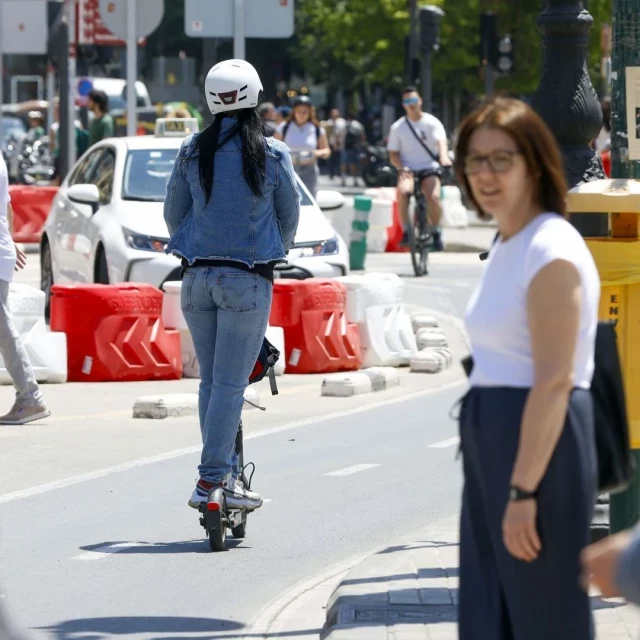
232 85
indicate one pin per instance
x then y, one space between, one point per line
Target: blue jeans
227 311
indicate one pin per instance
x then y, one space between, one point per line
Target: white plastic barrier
47 350
173 318
428 338
375 303
380 219
454 213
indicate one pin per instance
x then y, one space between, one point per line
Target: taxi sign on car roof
176 127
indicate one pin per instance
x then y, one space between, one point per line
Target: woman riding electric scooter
232 211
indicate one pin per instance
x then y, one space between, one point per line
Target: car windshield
147 173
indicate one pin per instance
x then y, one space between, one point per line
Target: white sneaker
201 493
238 497
22 414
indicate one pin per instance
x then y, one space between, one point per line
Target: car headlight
324 248
144 243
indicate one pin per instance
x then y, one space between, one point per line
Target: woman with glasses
526 425
307 140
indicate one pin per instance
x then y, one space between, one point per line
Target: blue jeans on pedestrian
227 311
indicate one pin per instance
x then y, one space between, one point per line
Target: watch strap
516 494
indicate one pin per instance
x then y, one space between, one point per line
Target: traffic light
488 39
505 62
430 17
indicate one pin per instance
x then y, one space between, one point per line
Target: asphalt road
123 556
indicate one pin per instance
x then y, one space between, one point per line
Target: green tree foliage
357 40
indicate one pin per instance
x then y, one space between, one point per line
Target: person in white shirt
307 141
29 404
527 423
418 149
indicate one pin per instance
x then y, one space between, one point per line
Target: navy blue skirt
502 598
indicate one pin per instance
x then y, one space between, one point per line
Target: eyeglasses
498 162
409 101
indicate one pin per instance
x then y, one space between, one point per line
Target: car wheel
46 276
101 270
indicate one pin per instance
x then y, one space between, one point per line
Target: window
147 173
102 175
81 173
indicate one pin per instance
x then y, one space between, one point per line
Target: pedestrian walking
102 125
335 130
232 212
526 425
307 141
353 140
29 404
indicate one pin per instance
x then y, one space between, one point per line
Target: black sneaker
438 245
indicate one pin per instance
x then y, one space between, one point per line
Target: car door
90 223
67 220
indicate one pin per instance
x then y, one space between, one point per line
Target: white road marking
134 464
450 442
107 550
351 470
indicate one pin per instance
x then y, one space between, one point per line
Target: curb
346 385
178 405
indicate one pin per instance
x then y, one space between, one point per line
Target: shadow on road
160 548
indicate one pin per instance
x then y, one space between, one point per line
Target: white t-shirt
496 317
302 138
337 129
7 248
412 153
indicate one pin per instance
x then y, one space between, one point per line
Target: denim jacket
234 224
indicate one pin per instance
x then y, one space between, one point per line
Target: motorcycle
35 164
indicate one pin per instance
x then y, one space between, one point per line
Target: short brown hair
534 140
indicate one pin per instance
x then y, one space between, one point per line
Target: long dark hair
249 126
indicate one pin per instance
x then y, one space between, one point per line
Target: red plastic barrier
317 336
115 333
30 210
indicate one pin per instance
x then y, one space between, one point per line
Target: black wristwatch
516 494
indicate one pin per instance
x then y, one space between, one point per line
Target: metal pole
71 63
427 56
413 39
51 94
132 68
238 30
489 80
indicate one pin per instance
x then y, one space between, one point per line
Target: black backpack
352 139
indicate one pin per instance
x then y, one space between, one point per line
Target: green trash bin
359 227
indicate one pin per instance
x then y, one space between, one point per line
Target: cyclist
232 210
418 149
307 140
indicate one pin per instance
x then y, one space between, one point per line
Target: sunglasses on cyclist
497 161
409 101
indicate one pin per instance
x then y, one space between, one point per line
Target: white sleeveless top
496 317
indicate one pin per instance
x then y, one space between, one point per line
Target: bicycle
420 233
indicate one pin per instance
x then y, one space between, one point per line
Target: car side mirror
328 200
88 194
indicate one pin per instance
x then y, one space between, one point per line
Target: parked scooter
377 171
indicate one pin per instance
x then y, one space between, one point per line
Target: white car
106 223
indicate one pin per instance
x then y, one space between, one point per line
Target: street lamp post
569 104
565 97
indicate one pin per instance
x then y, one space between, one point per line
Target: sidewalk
407 592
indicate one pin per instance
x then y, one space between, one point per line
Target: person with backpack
527 426
307 141
353 140
232 211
